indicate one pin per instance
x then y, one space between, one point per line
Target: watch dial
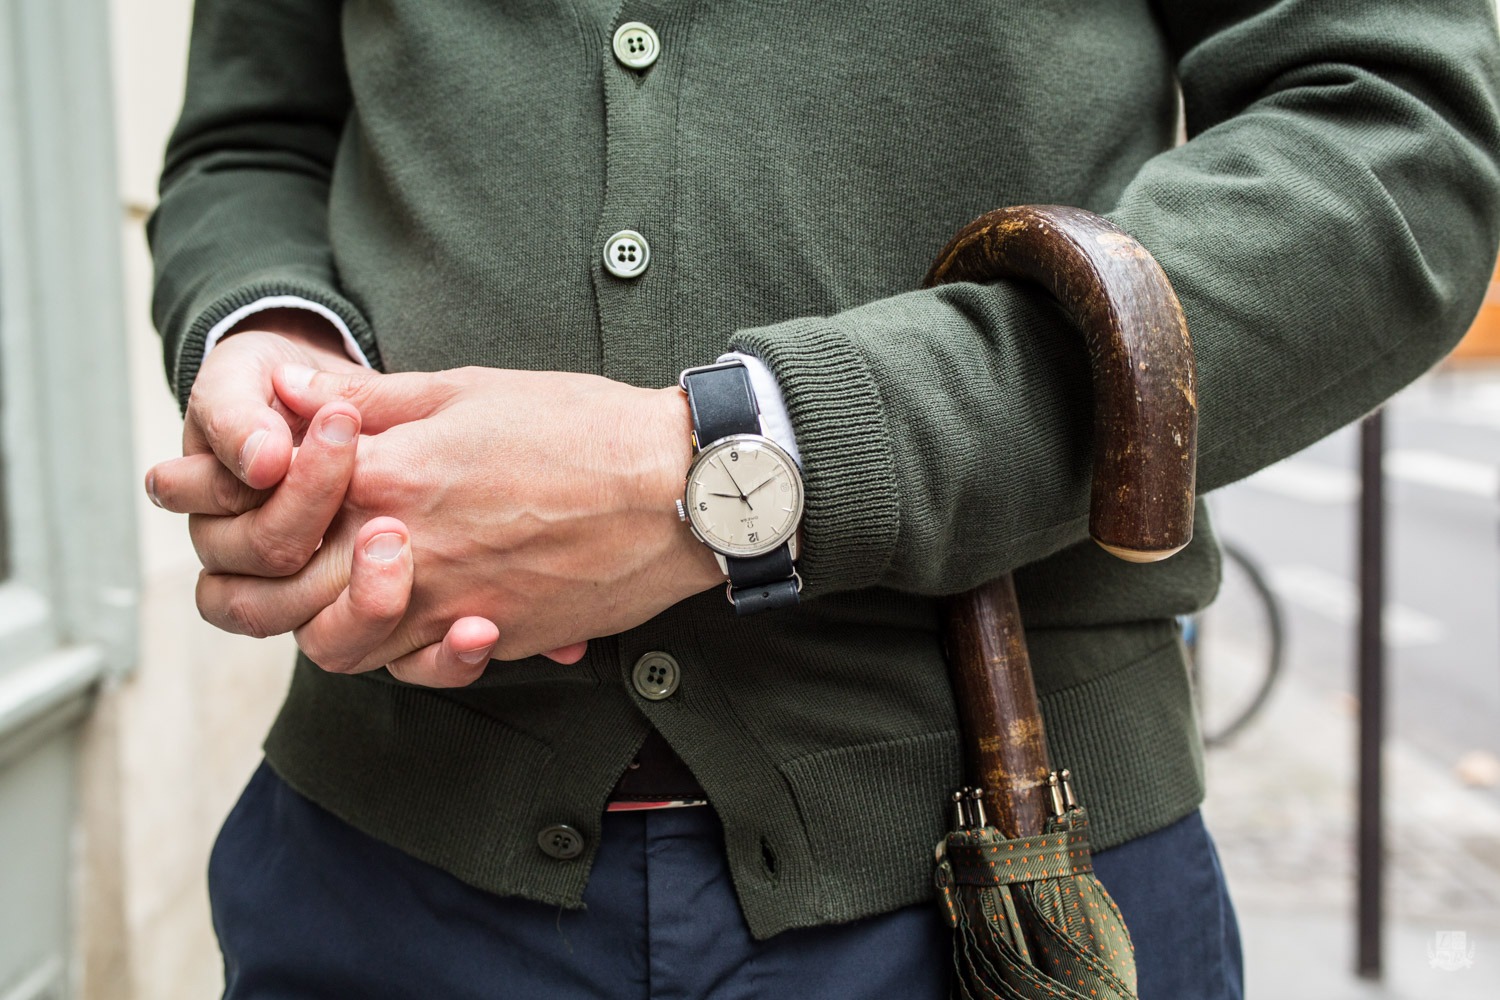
744 495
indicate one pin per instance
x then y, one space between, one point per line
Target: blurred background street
1282 794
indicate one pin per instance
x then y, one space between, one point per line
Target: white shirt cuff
223 326
775 422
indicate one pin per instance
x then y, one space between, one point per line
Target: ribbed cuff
191 349
851 518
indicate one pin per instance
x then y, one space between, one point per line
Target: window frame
68 608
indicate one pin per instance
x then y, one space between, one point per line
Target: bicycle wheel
1235 648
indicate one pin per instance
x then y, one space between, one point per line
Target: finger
457 661
279 537
341 637
231 413
568 655
384 400
258 606
199 484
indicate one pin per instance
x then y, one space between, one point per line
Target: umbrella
1015 876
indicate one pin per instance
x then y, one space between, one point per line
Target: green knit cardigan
443 177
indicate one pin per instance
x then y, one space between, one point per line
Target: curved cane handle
1145 394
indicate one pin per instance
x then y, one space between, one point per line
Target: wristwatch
743 497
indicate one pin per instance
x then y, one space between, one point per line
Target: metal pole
1370 897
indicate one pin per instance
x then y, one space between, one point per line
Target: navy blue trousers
306 906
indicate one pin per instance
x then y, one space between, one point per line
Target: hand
233 412
539 501
238 441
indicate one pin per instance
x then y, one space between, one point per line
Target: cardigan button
656 676
561 842
626 254
636 45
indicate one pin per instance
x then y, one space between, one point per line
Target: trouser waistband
656 778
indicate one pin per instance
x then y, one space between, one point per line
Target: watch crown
681 511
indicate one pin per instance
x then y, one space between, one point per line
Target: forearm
1329 229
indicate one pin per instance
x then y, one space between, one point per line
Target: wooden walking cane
1145 437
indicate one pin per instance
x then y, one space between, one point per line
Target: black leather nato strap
723 403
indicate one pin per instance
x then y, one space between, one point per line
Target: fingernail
250 450
338 429
297 376
385 547
151 487
473 656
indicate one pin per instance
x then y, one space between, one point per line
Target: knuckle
242 614
351 388
218 425
227 493
377 604
383 484
280 555
197 401
331 661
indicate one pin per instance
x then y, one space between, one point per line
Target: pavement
1281 807
1281 798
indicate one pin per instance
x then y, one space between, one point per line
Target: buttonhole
768 857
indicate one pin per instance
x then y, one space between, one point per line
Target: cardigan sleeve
244 191
1329 227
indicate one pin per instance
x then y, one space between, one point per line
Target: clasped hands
427 522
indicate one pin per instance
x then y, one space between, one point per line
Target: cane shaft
996 698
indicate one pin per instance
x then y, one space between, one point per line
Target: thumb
382 400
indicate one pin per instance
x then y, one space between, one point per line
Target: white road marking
1431 468
1337 599
1320 483
1465 401
1310 482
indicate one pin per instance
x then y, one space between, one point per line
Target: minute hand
745 497
763 484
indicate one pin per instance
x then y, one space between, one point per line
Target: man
511 636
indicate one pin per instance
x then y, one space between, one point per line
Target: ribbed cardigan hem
468 794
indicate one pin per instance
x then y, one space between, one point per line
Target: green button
561 842
656 676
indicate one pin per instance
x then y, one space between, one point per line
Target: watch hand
732 479
763 484
737 486
732 496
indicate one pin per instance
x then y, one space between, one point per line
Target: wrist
668 429
309 331
744 495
